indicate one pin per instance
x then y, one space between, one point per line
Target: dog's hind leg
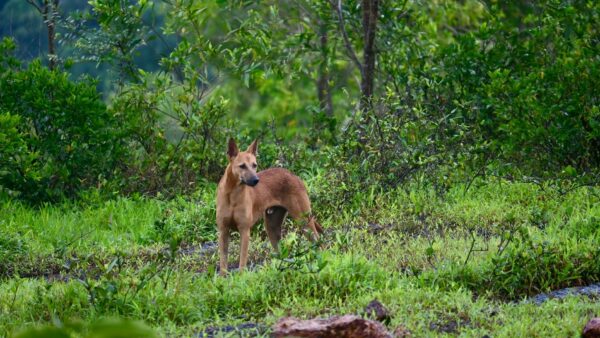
274 217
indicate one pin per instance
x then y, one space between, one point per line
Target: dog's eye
243 166
254 165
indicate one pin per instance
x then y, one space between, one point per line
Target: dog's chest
235 209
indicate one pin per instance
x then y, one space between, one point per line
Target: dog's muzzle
252 182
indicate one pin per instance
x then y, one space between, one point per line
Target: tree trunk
370 12
323 90
49 11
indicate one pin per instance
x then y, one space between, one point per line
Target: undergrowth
462 262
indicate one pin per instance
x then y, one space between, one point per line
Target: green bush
534 268
16 161
57 136
526 86
510 95
175 140
527 267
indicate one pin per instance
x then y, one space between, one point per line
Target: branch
34 4
347 43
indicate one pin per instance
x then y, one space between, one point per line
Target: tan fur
240 205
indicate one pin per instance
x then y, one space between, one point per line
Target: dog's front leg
245 242
223 249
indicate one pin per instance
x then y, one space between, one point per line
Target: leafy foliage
58 135
416 184
405 247
528 90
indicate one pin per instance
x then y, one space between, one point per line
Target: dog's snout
253 181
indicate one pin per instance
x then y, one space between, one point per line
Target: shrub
57 136
176 136
16 162
509 96
526 267
528 87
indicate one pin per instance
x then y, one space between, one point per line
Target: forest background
468 122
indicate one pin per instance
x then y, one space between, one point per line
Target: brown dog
245 196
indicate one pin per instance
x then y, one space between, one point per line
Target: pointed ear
232 149
253 148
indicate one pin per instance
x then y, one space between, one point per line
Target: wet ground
592 291
241 330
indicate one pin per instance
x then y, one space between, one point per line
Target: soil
241 330
592 291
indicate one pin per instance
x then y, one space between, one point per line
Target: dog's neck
229 180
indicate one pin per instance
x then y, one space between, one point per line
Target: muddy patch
240 330
592 291
75 266
450 326
204 248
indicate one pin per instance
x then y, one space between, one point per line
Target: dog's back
279 187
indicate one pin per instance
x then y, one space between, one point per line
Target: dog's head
243 164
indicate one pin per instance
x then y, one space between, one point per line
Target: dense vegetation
450 149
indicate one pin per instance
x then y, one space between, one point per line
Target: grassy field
462 264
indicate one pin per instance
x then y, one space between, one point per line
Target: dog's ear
232 149
253 148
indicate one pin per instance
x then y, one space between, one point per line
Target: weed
436 262
297 254
12 251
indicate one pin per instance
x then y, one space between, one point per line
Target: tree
49 11
323 87
370 10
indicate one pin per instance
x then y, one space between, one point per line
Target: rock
348 326
592 328
402 332
376 310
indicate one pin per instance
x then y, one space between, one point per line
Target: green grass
410 248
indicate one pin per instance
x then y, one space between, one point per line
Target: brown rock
348 326
592 328
376 310
402 332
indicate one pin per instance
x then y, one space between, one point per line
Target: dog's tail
317 225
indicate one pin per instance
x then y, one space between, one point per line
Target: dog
244 197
